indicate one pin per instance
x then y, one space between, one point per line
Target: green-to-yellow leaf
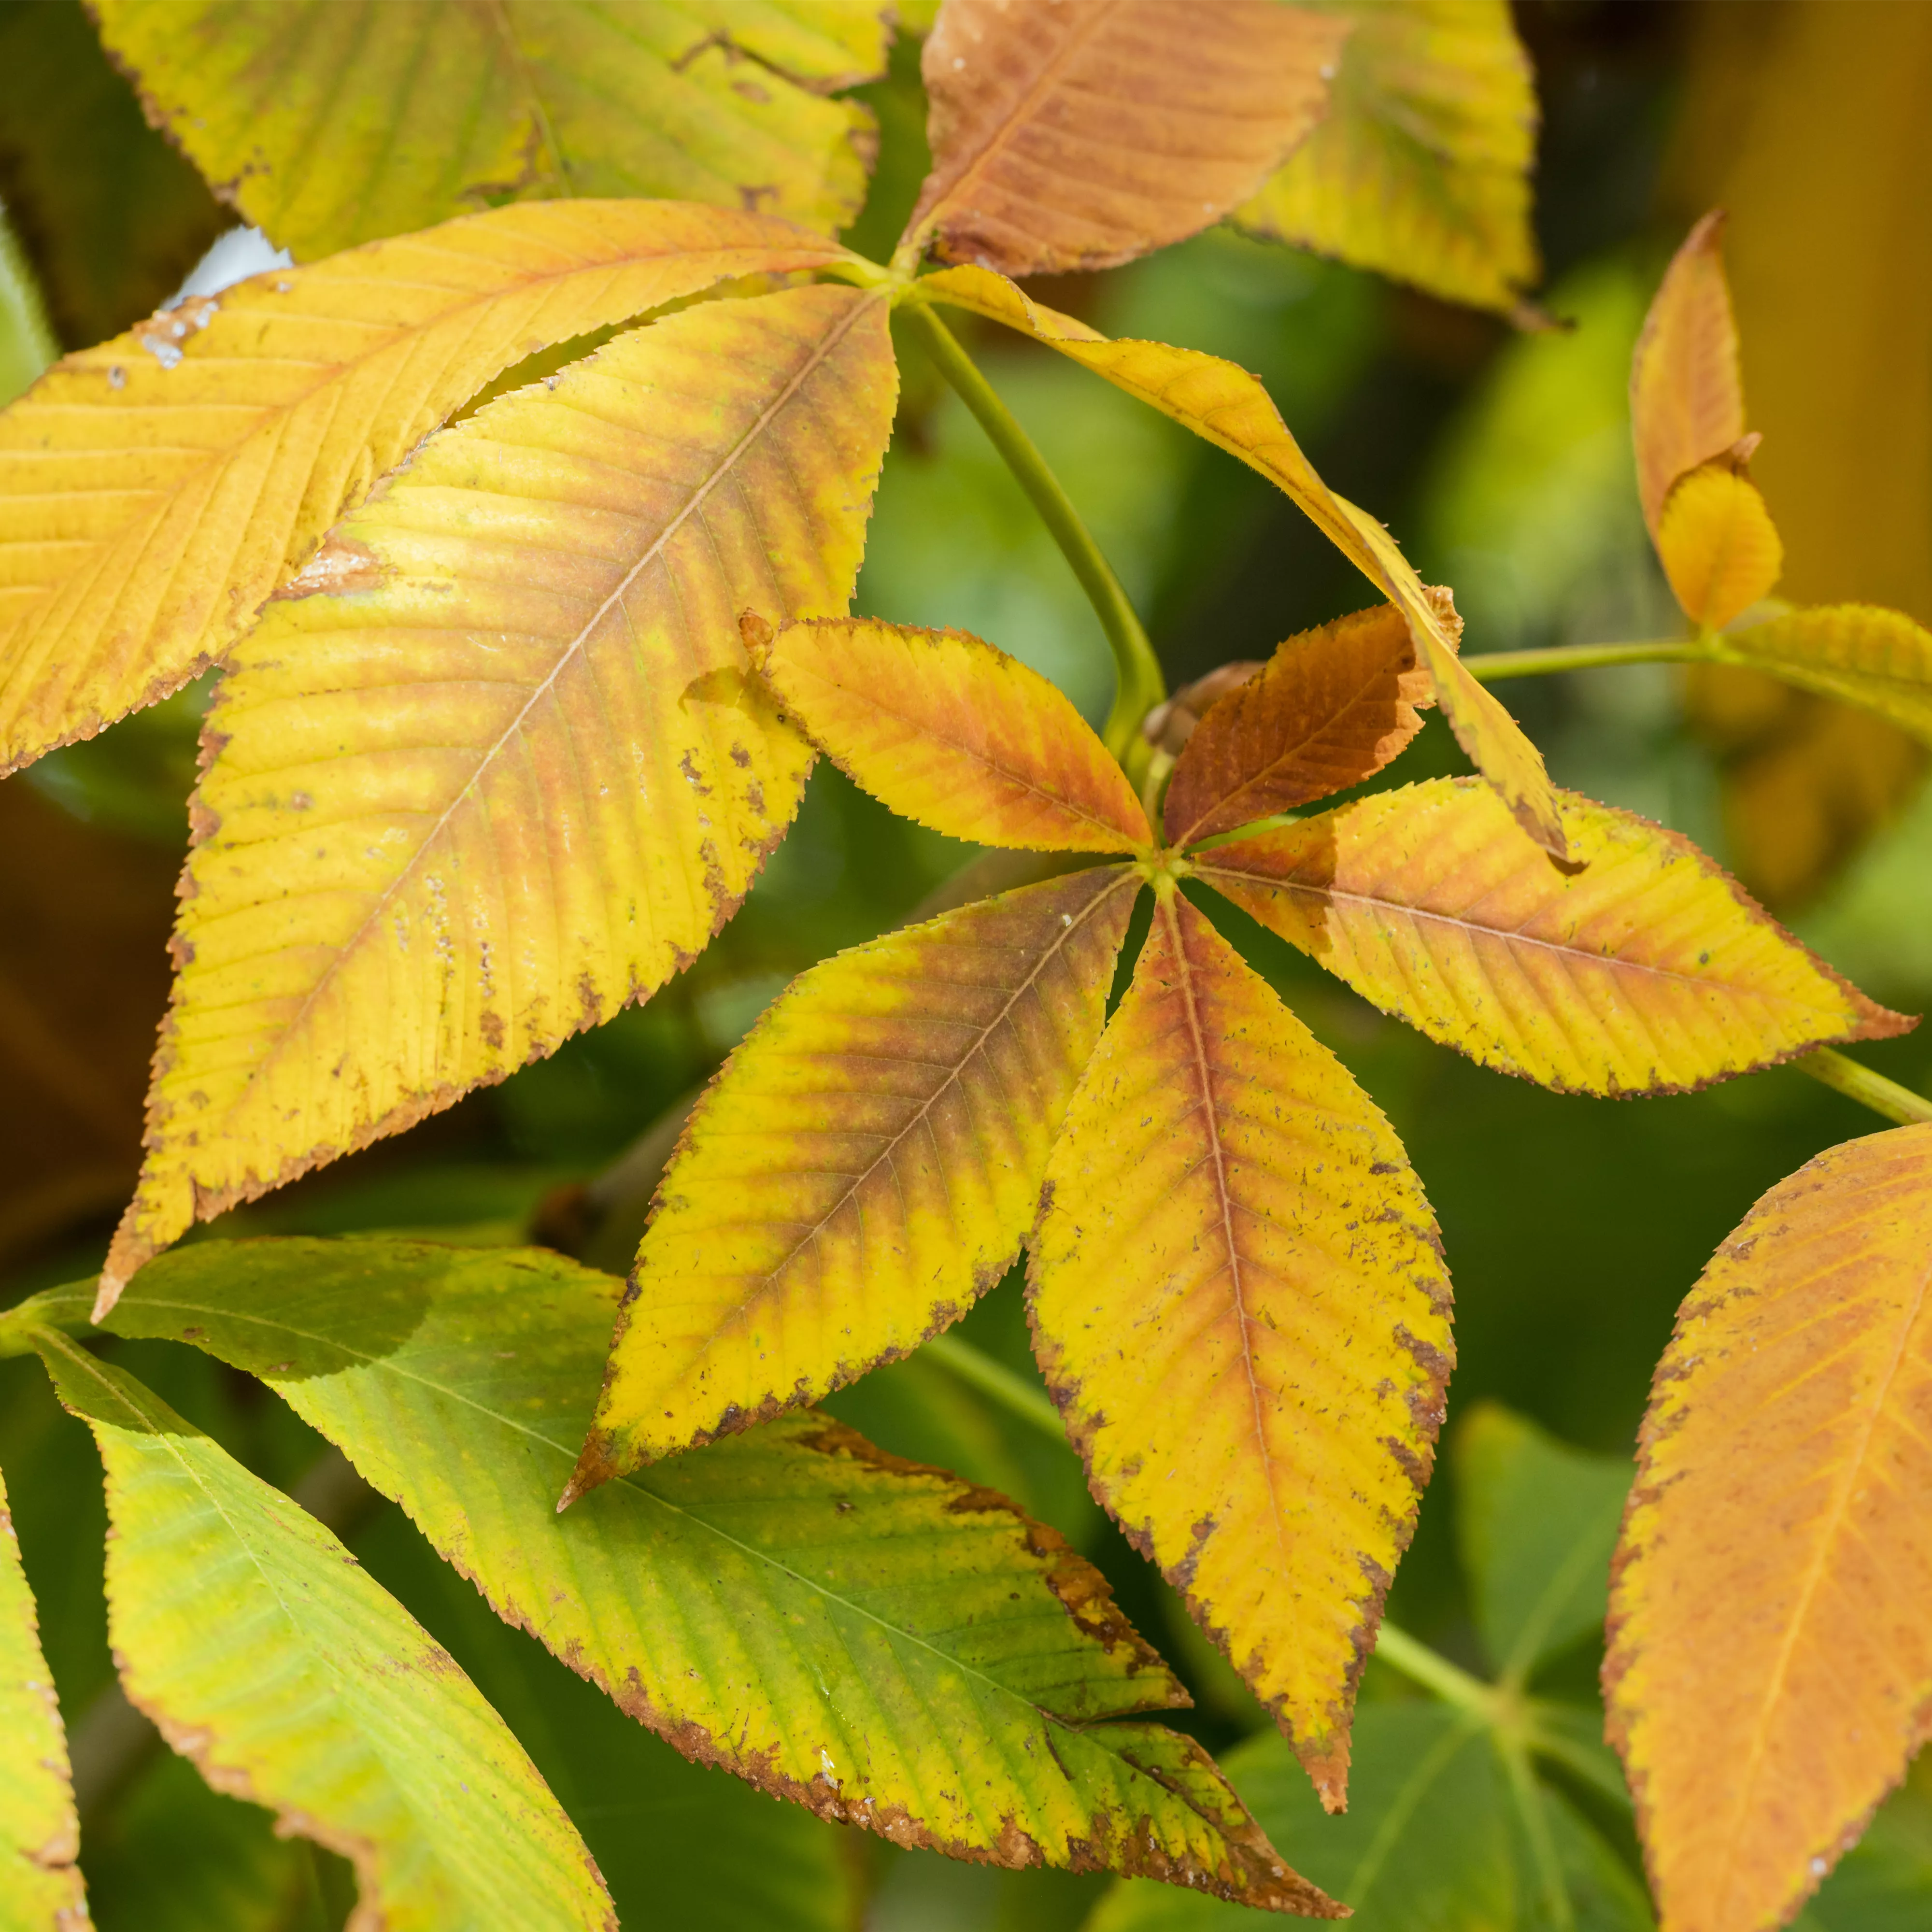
1421 168
1687 395
883 1643
1880 659
1330 709
1719 547
1648 973
111 215
864 1167
1229 408
292 107
1081 135
494 765
154 490
40 1889
950 731
254 1640
1771 1618
1240 1304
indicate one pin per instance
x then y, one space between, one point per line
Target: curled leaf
1719 548
1331 708
950 731
1770 1665
1080 135
864 1167
495 765
1648 973
1239 1300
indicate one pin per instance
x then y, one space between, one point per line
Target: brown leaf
1082 134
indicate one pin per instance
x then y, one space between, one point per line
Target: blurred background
1499 456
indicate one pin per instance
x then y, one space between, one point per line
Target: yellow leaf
1240 1304
1330 709
154 490
1687 396
1770 1664
1648 972
1719 548
950 731
1421 168
493 766
1229 408
1081 135
1879 659
864 1167
295 105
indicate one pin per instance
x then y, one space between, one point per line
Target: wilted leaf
1687 396
1330 709
1081 135
1229 408
1719 548
39 1837
1239 1301
864 1166
950 731
880 1643
1879 659
154 490
291 107
1420 169
1648 972
494 766
1770 1619
1536 1521
112 217
254 1641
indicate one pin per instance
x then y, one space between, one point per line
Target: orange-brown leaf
1081 134
1239 1300
1687 396
1648 972
1719 548
1227 407
1770 1667
1331 707
948 730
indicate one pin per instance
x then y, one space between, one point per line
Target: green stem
1490 665
1534 1817
1139 684
1869 1089
1421 1665
998 1382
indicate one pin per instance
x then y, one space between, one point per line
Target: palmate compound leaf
1879 659
1239 1301
40 1889
1330 709
1770 1665
951 731
1687 393
883 1643
864 1167
1230 409
154 490
261 1649
1420 169
293 107
1650 972
1719 547
1081 135
493 765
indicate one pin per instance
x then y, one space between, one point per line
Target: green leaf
112 217
25 347
1432 1840
1538 1523
39 1886
294 105
1421 168
883 1643
251 1637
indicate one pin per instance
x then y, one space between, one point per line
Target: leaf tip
596 1465
757 635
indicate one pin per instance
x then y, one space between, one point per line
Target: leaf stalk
1489 666
1856 1082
